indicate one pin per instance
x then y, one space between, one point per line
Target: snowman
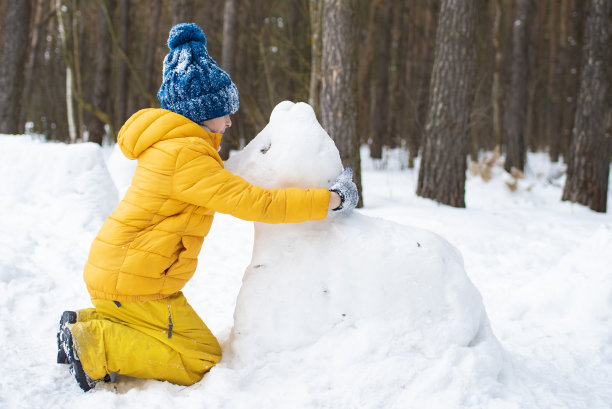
375 295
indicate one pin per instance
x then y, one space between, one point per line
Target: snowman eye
265 149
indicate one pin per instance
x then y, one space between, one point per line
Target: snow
518 288
352 286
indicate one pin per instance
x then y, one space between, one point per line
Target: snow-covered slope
541 265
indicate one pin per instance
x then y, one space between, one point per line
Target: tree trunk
314 99
76 59
497 68
422 61
34 52
589 165
553 120
517 110
15 44
293 57
101 96
182 11
54 116
399 91
229 36
572 32
379 114
123 66
365 67
535 136
229 140
151 80
64 36
338 98
443 163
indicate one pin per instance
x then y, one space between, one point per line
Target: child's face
218 125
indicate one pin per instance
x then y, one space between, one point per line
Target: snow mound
121 169
360 303
69 183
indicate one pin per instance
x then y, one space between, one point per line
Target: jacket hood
151 125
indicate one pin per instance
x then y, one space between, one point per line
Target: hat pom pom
184 33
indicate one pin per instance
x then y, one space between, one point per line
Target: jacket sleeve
201 180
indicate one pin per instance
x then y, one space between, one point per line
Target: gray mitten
346 189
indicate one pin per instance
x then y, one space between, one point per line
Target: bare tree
229 35
151 80
573 16
39 7
15 44
122 106
496 36
554 119
589 165
517 109
316 11
443 163
379 114
421 57
227 63
365 70
101 96
65 37
338 98
182 11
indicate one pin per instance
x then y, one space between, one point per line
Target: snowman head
293 150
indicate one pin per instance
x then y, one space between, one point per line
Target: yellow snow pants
162 339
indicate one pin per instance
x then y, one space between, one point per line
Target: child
147 249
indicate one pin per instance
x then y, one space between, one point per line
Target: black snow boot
68 317
76 369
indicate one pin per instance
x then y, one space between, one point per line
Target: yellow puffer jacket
148 247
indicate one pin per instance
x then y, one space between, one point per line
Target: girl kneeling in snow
147 249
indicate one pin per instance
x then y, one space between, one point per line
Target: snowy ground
543 267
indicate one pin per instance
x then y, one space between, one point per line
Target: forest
445 80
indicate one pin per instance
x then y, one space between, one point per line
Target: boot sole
68 317
76 369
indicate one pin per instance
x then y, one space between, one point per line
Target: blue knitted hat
194 85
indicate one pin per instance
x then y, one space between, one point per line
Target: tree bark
423 57
76 59
123 66
182 11
554 119
33 53
15 44
338 85
151 80
517 110
379 114
365 67
293 57
227 63
69 89
572 33
443 163
229 36
101 96
497 68
589 165
316 11
399 91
